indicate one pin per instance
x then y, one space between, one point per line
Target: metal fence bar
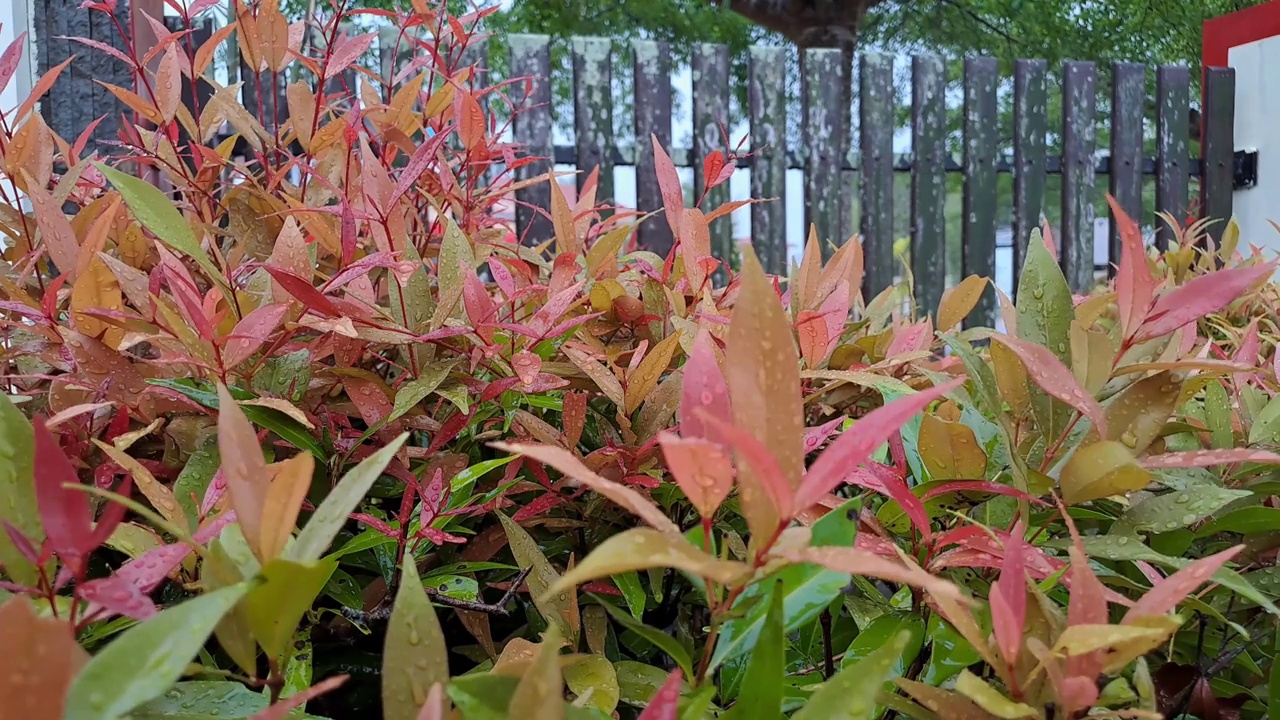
928 180
767 101
710 66
825 144
1173 97
875 132
1219 148
1128 99
1078 140
593 112
1031 126
979 249
653 118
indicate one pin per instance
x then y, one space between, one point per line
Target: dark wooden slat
1128 99
652 61
1031 124
928 180
105 104
387 60
593 112
875 142
979 248
58 113
710 66
825 139
767 99
81 73
1079 102
1218 148
1173 92
531 60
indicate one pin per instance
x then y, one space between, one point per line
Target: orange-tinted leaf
811 330
302 111
346 51
168 85
669 185
1209 458
867 564
562 219
283 502
958 302
96 289
1048 372
855 445
769 495
701 469
55 229
950 450
1202 295
1166 594
644 379
601 375
41 659
695 246
472 125
243 469
642 549
621 495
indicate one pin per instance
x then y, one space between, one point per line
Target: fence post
531 59
1218 149
875 131
1128 100
593 112
710 67
653 118
979 250
928 180
1079 100
768 132
1031 124
825 143
1173 97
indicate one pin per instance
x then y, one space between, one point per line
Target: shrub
636 493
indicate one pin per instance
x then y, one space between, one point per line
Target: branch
497 608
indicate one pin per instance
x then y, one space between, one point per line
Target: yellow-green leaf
640 384
540 694
595 682
558 608
950 450
17 487
415 656
1084 639
641 549
1137 414
275 607
990 699
1101 470
455 255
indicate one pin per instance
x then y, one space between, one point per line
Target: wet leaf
414 656
1138 413
1171 511
540 694
243 468
641 549
558 607
595 682
1101 470
665 703
851 693
1209 458
1084 639
1052 376
950 450
959 301
701 468
644 379
1198 297
148 658
990 699
34 680
657 638
275 607
1244 521
17 486
761 693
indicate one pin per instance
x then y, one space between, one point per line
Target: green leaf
157 213
465 480
367 540
949 652
344 588
1273 683
148 658
638 682
275 607
1217 415
193 481
273 420
485 696
204 700
298 673
558 609
851 694
412 393
806 591
332 514
761 693
1045 312
632 592
1171 511
17 487
1245 521
286 375
593 677
415 656
659 639
885 629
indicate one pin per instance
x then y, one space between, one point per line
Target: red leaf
814 437
701 468
704 390
888 482
422 158
669 185
304 292
1009 597
9 60
711 167
479 306
117 596
855 445
573 417
1199 297
251 332
1247 353
64 513
538 506
471 120
665 704
557 305
1166 595
345 51
981 486
762 462
1054 378
527 366
281 709
1209 458
1135 288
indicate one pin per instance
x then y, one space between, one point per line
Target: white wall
13 17
1257 115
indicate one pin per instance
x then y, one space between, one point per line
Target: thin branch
497 608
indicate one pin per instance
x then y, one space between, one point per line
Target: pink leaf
701 468
1135 288
855 445
669 185
1166 595
1009 596
665 704
1056 379
345 51
527 366
9 60
1209 458
704 389
117 596
434 708
251 332
281 709
765 466
1247 353
866 564
886 481
1203 295
980 486
814 437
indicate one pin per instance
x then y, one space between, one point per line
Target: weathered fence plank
825 144
1219 148
979 255
767 101
1173 97
653 118
593 112
875 133
1128 100
710 67
928 180
1031 125
1079 101
531 59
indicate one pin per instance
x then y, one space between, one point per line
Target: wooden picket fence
827 153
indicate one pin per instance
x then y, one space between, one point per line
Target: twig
497 608
828 660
